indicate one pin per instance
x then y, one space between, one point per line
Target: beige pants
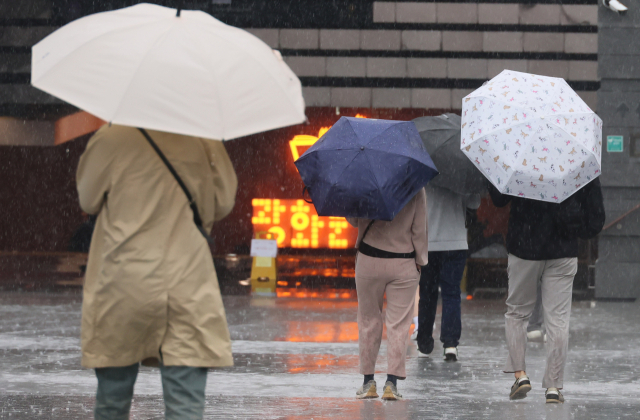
398 278
557 282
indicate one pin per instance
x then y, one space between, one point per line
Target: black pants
445 270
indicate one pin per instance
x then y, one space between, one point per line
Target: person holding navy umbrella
373 172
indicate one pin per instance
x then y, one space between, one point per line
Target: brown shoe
520 388
391 392
367 391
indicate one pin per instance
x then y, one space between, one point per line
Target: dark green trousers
182 386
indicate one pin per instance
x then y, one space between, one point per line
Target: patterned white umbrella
532 136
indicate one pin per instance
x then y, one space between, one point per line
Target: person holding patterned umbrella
539 145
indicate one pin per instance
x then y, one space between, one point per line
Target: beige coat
151 290
407 232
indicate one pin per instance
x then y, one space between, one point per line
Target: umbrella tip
178 12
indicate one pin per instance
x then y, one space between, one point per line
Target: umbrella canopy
187 73
441 138
532 136
366 168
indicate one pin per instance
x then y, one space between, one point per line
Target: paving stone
539 14
431 98
384 12
351 97
583 70
461 41
553 68
307 66
504 13
339 39
380 40
579 14
467 68
457 95
502 41
495 67
435 68
415 12
346 66
316 96
456 12
543 42
299 39
581 43
391 98
590 98
422 40
386 67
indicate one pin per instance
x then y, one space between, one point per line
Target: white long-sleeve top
446 213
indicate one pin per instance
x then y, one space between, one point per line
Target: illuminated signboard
300 143
295 224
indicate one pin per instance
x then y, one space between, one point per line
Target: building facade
382 59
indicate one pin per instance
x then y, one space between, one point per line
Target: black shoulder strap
196 215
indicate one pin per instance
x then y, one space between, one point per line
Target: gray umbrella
441 137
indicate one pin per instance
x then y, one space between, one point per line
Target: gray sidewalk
297 359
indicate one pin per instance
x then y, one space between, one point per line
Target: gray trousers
537 318
556 277
182 386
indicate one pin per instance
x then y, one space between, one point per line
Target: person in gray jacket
447 258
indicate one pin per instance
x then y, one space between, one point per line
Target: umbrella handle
305 189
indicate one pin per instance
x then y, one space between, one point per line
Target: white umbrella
152 67
532 136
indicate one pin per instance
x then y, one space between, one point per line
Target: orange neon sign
296 224
305 141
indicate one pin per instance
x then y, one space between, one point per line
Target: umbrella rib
571 114
160 38
343 170
90 41
377 183
217 93
248 54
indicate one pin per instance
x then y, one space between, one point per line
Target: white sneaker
535 335
414 335
451 354
421 354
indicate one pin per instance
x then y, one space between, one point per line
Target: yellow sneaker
367 391
391 392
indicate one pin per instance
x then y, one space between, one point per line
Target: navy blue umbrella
366 168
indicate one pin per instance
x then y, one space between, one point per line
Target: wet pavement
297 358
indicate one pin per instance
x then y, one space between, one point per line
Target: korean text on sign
295 224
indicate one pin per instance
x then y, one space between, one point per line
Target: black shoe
553 396
520 388
426 348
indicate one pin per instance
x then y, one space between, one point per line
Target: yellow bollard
263 268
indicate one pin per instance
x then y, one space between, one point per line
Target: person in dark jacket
542 242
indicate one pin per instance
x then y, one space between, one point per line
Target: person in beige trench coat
151 290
